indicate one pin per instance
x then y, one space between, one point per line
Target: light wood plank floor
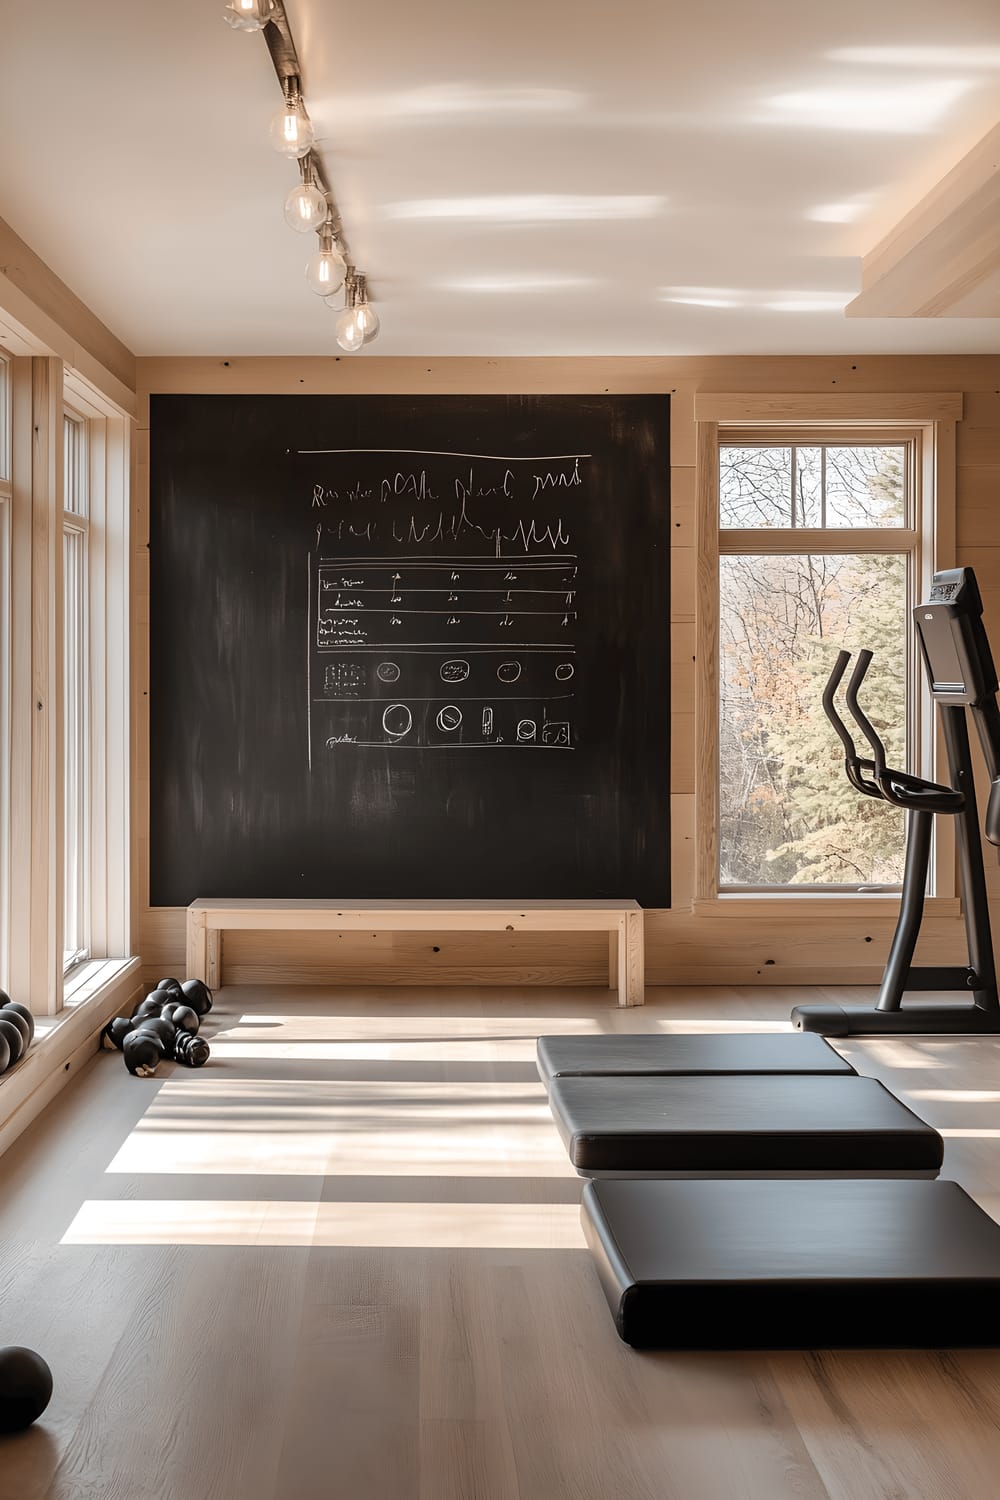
344 1260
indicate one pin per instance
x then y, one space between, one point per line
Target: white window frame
904 540
108 884
928 421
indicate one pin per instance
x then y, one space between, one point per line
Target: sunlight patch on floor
242 1048
958 1096
386 1030
425 1226
301 1127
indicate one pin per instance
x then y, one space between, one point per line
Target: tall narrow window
818 547
76 690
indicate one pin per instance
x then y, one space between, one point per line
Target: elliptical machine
959 665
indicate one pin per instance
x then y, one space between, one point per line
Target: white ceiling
544 178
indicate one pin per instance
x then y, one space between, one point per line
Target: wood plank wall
682 946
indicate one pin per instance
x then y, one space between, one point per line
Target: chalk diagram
397 721
449 718
382 638
344 679
451 631
512 686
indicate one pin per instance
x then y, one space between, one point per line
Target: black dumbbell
181 1016
158 1027
8 1013
169 984
143 1053
14 1038
198 995
191 1050
22 1010
114 1034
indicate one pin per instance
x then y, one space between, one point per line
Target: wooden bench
208 919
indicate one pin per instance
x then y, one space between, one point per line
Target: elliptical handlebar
896 787
853 764
860 718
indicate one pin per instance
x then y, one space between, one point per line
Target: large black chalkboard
409 647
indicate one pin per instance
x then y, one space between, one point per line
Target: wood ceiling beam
943 259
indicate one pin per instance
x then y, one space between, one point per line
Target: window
76 660
818 551
64 646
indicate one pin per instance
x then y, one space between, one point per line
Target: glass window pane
865 486
75 773
833 485
755 486
75 466
787 814
809 486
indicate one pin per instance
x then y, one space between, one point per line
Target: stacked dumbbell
164 1025
17 1028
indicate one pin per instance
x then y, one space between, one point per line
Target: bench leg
197 946
213 960
613 960
631 959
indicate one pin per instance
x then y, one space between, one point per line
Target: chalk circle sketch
397 721
526 730
509 671
564 671
555 732
387 671
449 718
454 671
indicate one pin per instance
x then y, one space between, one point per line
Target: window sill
807 905
95 991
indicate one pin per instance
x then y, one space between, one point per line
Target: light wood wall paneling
682 585
682 857
682 439
682 505
836 406
979 506
682 753
979 431
682 668
766 374
784 950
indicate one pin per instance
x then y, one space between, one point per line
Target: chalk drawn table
208 919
